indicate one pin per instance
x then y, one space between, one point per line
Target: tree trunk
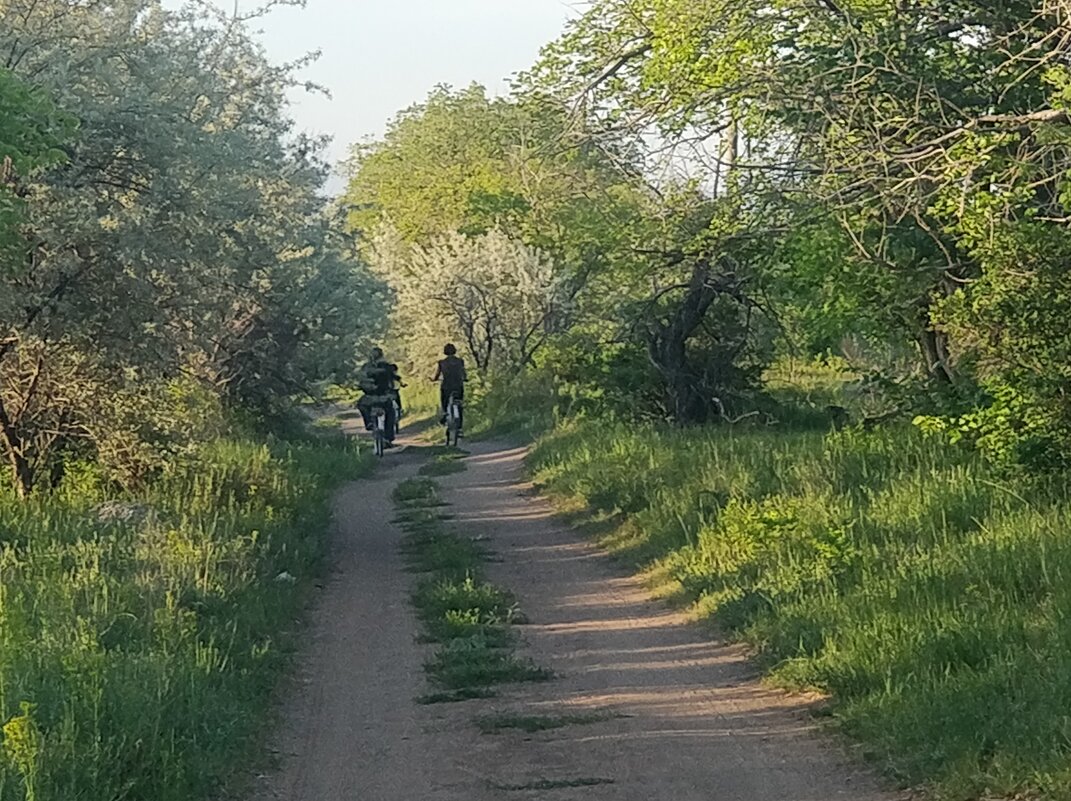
669 356
22 472
933 346
667 343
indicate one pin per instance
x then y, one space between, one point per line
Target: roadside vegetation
926 593
142 636
173 284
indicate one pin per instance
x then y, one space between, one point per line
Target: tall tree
184 236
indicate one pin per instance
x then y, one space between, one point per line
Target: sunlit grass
928 597
141 638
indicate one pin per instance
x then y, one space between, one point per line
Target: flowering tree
498 296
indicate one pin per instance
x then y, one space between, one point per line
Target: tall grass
139 640
928 597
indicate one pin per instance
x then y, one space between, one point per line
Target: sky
381 56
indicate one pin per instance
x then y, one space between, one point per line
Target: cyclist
451 371
376 381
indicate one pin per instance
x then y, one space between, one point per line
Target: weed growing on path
456 696
555 784
478 661
417 492
469 618
446 464
430 548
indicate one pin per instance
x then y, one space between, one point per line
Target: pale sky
380 56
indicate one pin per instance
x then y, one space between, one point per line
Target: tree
183 237
933 135
499 296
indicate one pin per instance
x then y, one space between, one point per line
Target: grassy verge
140 638
468 618
930 598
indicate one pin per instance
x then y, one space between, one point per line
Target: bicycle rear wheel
379 434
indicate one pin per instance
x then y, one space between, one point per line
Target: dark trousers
444 398
368 404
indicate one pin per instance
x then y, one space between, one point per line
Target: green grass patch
420 518
429 548
469 618
417 492
530 724
141 637
928 595
477 661
437 598
465 625
445 464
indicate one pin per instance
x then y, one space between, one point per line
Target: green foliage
182 235
896 573
142 635
522 407
443 166
31 132
910 166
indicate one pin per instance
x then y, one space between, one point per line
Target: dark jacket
377 378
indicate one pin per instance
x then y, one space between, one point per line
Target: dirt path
685 718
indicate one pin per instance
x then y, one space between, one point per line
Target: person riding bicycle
377 381
451 371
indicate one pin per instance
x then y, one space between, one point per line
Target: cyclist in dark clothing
451 371
377 381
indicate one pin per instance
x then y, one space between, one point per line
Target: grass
445 464
431 549
929 597
468 618
417 493
530 724
478 661
141 637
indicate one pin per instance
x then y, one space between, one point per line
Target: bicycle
379 431
453 421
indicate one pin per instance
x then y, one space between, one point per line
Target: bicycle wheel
379 434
